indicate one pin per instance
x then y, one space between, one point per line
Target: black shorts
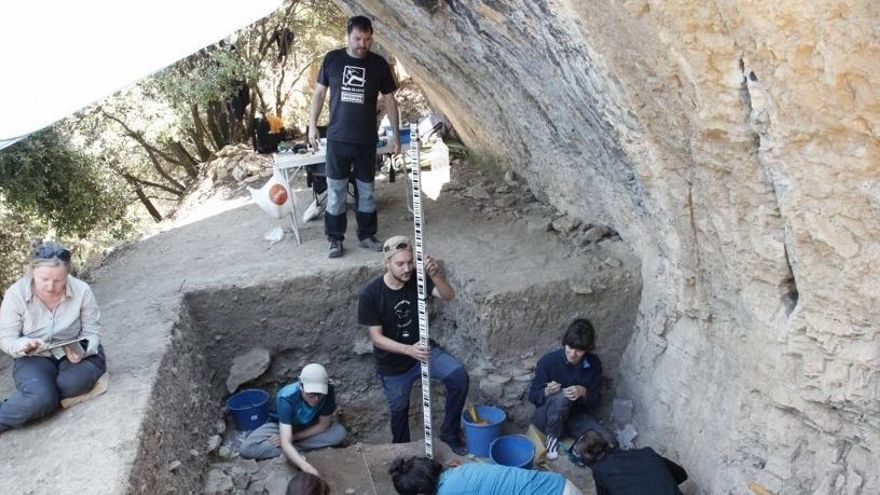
341 157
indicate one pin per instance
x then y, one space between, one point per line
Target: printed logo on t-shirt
404 318
353 81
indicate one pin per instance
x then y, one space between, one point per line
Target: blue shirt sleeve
286 409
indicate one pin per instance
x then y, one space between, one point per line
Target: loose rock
214 443
477 192
491 390
595 234
537 224
246 367
218 483
612 262
505 201
362 347
565 224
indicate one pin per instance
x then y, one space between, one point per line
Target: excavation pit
313 319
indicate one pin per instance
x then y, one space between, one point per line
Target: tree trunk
151 150
142 196
216 126
161 171
176 192
199 133
189 163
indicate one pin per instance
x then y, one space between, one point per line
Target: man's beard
402 280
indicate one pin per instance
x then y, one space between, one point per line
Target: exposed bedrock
734 146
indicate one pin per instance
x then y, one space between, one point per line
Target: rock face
734 145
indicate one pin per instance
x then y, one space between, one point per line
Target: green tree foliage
45 175
271 57
48 187
156 134
18 228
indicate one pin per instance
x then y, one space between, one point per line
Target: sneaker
99 388
552 446
457 447
371 243
335 250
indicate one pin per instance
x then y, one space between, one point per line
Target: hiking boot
371 243
99 388
335 249
457 447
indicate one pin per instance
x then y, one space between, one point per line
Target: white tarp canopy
59 57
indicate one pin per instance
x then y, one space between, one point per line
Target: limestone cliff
734 145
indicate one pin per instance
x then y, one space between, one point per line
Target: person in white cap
305 421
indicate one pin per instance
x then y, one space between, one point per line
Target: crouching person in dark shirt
566 388
627 472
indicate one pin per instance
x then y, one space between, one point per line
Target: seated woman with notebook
49 323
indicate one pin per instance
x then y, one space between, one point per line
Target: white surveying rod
418 251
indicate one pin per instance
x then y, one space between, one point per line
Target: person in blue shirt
423 476
567 387
627 472
305 421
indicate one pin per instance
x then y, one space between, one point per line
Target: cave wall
734 146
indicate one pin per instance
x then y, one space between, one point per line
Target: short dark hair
361 22
591 447
415 475
307 484
580 335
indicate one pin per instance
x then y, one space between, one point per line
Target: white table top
284 161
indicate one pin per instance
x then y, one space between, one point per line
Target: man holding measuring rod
388 306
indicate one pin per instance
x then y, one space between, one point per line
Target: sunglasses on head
49 252
573 456
402 245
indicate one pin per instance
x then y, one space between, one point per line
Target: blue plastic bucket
249 408
479 437
513 450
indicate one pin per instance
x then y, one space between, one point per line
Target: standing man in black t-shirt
356 77
388 306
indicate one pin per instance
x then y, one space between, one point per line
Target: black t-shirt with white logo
397 311
355 84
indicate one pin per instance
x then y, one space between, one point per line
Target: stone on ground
246 367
